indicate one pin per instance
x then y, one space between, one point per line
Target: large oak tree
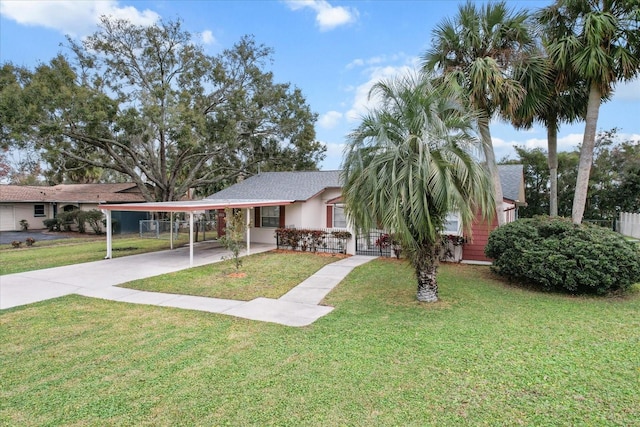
148 104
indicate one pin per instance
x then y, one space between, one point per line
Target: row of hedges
79 218
555 254
312 240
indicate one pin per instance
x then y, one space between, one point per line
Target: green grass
269 275
56 253
487 354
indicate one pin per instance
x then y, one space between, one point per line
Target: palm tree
552 97
475 52
408 164
599 41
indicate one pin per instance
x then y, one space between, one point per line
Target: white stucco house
317 204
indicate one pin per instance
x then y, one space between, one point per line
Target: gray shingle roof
301 186
511 178
298 186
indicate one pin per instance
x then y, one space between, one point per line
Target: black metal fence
313 240
374 243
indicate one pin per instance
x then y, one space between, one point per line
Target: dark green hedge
556 254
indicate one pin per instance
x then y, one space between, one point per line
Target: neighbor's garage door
7 220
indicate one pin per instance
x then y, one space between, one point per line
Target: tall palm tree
599 41
475 52
409 163
552 97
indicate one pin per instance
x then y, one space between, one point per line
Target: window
38 210
270 216
452 224
339 219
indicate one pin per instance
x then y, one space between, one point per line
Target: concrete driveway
99 279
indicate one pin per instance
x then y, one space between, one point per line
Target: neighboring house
318 204
38 203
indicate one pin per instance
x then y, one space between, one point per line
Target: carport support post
108 215
171 230
190 239
248 231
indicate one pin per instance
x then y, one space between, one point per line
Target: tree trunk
552 144
426 264
487 144
586 154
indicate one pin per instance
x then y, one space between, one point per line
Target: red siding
474 250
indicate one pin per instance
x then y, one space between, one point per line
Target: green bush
94 218
52 224
556 254
67 219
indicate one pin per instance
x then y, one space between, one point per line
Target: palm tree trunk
586 154
426 263
490 157
552 145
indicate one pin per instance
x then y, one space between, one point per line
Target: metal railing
313 240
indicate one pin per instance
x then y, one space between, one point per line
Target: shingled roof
298 186
301 186
71 193
512 180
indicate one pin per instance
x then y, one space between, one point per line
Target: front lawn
268 274
56 253
487 354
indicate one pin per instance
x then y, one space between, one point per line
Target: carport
191 207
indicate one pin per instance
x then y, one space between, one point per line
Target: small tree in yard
408 164
235 230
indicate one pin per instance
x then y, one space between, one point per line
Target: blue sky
332 50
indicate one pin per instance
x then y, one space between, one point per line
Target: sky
334 51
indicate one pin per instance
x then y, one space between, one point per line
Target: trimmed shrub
52 224
555 254
94 218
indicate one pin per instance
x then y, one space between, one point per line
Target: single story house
315 195
35 204
317 204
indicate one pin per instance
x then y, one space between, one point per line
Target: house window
452 224
270 216
339 219
38 210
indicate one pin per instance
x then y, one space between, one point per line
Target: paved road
7 237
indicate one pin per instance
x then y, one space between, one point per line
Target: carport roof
193 205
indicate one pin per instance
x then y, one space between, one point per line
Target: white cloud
333 159
355 63
330 119
327 17
361 102
628 91
565 143
376 60
76 18
629 137
207 37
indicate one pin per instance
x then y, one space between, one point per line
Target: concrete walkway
299 307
